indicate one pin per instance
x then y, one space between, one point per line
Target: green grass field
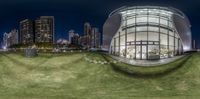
69 76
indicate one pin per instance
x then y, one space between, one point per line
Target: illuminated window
141 20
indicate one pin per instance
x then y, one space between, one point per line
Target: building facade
5 40
87 34
95 38
26 31
71 34
75 39
44 29
11 38
83 41
147 32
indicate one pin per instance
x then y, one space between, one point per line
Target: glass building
147 32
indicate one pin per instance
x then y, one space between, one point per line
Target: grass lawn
69 76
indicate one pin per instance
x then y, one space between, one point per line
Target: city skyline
73 14
33 23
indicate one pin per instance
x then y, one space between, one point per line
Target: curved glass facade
146 33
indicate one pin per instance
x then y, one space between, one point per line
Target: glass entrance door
144 52
141 52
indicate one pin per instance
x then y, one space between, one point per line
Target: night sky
72 14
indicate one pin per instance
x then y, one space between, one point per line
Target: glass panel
131 37
176 42
112 49
122 51
112 43
130 30
180 47
122 40
128 43
138 51
141 19
117 41
163 39
144 42
132 43
130 17
141 36
171 40
171 51
163 22
153 20
131 11
138 42
156 42
170 24
122 32
153 36
143 28
176 51
142 11
154 11
130 21
117 51
156 29
124 23
165 13
162 30
163 51
171 33
131 52
153 52
117 34
144 52
176 46
150 42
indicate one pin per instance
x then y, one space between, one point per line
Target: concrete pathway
147 62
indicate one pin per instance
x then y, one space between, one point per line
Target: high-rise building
71 34
44 29
26 31
10 38
75 39
14 36
87 29
5 39
96 38
87 34
82 41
